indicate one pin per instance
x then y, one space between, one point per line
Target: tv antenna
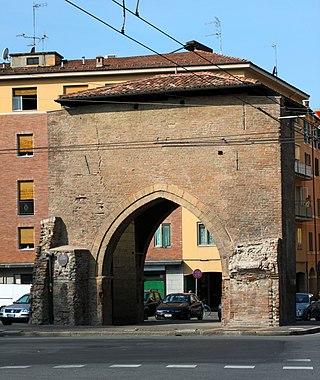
34 37
218 33
275 67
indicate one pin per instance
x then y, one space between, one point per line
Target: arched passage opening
121 254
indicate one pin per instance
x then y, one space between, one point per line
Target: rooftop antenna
275 68
34 7
218 33
34 37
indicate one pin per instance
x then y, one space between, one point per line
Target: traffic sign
197 273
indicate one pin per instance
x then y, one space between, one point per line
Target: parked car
303 300
19 311
152 299
312 311
180 306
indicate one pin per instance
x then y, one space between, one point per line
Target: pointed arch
130 206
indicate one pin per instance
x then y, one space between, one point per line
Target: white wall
11 292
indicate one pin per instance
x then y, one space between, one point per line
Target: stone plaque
63 259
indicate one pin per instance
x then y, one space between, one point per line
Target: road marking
299 360
70 366
239 366
15 367
181 366
306 368
125 366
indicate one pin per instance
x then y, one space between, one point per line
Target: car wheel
188 316
200 317
157 317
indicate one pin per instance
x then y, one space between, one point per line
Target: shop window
26 198
162 236
25 145
26 238
204 236
24 99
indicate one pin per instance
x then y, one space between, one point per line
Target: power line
184 46
162 55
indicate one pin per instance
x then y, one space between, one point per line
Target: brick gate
117 170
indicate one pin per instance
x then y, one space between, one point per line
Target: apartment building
29 85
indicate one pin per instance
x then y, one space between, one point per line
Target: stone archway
121 245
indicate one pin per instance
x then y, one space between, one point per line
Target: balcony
302 170
303 211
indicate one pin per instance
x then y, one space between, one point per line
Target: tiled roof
164 83
126 63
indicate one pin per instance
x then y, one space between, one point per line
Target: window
316 167
74 88
297 152
26 237
33 61
25 145
24 99
307 134
162 236
204 236
25 202
299 238
310 241
307 159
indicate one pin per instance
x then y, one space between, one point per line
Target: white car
19 311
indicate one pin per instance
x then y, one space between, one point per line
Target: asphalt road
161 357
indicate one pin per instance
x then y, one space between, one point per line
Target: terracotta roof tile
126 63
163 83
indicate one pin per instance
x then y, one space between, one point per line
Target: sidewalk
207 327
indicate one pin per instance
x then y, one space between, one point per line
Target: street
180 357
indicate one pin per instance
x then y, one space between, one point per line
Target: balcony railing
302 169
303 210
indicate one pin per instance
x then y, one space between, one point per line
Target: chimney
197 46
99 61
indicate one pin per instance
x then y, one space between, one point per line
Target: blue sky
249 28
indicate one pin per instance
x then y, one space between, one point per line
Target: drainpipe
50 287
314 209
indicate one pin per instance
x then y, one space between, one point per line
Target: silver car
303 300
19 311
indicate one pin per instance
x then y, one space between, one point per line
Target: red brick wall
13 169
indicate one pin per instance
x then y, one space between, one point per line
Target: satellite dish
5 54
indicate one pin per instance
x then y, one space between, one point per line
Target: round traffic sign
197 273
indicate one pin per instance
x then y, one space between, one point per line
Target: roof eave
92 99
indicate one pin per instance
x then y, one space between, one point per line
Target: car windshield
302 298
23 299
176 298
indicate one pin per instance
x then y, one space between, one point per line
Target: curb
176 332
